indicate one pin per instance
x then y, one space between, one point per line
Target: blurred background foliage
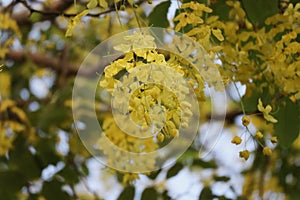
42 44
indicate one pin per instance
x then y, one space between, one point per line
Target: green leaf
10 183
52 115
174 170
206 194
149 194
250 103
222 178
221 9
33 197
205 164
158 17
53 190
288 126
85 169
127 193
154 174
46 152
70 174
56 114
27 165
165 195
259 10
23 160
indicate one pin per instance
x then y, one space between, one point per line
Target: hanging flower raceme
149 100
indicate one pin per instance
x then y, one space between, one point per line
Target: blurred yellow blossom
236 140
266 110
244 154
258 135
267 151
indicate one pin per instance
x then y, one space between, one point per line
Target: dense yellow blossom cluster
149 99
7 24
247 52
260 57
269 55
10 127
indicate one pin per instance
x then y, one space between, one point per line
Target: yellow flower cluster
197 69
5 141
284 62
202 30
259 57
251 54
8 24
237 140
157 107
9 127
127 143
74 21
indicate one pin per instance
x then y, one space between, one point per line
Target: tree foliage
255 44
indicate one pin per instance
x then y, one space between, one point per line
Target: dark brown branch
54 13
57 9
43 60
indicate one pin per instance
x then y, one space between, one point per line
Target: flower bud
245 120
236 140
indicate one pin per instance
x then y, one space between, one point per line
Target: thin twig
54 13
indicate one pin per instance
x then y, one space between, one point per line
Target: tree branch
57 9
62 8
47 61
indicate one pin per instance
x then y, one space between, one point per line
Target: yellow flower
160 137
6 22
274 140
266 111
236 140
245 154
103 4
197 7
187 18
129 177
123 47
267 151
245 120
218 34
174 133
74 21
293 12
237 11
5 142
258 135
140 40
